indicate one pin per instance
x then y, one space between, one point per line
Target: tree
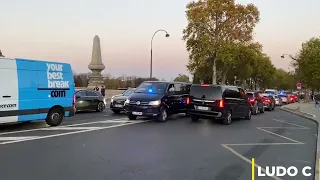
262 71
182 78
308 63
283 80
211 25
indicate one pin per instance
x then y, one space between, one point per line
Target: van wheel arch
55 115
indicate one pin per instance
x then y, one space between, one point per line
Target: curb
312 118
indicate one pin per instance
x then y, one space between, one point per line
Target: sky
63 31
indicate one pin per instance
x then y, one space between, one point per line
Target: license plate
118 105
203 108
137 113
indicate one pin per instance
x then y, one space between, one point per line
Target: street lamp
282 56
167 35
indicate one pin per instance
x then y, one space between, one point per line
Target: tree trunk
214 71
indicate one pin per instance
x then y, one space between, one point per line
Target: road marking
263 144
69 133
283 128
247 160
279 135
69 128
289 123
17 138
31 130
95 122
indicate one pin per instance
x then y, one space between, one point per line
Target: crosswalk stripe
69 128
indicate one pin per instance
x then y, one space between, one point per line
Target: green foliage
212 26
182 78
308 63
283 80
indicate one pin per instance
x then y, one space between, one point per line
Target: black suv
157 99
218 102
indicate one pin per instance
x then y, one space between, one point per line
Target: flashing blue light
150 90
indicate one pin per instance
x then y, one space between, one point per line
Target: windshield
152 88
128 92
282 95
269 92
206 92
250 95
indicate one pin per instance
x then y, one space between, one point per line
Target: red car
293 98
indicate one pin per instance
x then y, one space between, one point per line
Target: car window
232 93
91 94
206 92
152 88
81 93
185 89
250 95
128 92
177 88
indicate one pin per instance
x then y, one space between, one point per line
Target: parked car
256 102
117 101
218 102
157 99
89 100
278 100
269 102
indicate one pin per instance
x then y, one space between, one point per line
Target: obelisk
96 64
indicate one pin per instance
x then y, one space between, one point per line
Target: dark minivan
218 102
157 99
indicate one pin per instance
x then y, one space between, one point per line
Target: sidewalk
308 111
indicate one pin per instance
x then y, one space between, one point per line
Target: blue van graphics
35 89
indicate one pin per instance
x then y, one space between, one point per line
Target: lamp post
167 35
282 56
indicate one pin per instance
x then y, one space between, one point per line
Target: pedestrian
96 88
103 91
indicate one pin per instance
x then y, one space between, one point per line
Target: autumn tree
262 71
212 25
182 78
307 63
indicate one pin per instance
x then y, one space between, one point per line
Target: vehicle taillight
74 101
221 103
188 101
251 100
205 85
267 100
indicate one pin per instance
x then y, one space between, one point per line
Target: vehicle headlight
111 99
127 101
155 103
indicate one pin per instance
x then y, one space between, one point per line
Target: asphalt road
102 146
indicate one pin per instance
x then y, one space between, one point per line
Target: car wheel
248 116
227 120
262 110
116 111
55 117
132 117
194 118
163 115
100 107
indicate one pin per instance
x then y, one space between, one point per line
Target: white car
278 101
284 98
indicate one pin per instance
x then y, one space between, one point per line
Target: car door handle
6 96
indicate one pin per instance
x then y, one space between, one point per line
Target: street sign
299 85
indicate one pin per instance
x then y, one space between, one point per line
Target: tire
194 118
248 116
116 111
227 120
262 110
256 110
273 107
100 107
55 117
132 117
163 115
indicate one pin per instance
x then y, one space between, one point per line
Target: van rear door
9 93
206 97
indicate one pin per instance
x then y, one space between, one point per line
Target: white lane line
69 128
95 122
17 138
31 130
289 123
263 144
247 160
279 135
69 133
300 128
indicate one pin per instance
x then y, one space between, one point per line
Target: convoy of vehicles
37 90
